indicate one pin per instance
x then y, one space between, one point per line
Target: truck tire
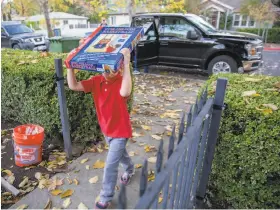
16 47
222 64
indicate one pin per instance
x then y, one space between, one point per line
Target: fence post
212 139
63 109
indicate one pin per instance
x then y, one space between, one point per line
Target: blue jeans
117 154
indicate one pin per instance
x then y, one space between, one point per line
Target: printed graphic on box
101 51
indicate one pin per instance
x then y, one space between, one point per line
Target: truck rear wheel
16 47
222 64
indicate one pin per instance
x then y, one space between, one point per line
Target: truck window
147 24
174 27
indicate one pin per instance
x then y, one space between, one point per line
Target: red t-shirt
111 107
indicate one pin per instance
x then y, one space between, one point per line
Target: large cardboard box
101 50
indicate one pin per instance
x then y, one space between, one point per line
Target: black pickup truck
188 41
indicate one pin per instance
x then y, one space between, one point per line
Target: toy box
101 50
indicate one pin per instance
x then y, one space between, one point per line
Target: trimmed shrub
246 167
273 33
29 95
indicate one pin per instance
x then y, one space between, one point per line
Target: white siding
118 19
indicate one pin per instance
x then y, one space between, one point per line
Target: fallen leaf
42 164
21 63
99 164
99 150
171 99
82 206
69 181
146 127
8 172
138 166
44 54
56 192
84 160
267 111
106 146
141 144
272 106
24 182
117 188
249 93
62 162
76 182
54 182
43 183
11 179
149 148
168 128
97 199
66 203
131 154
67 193
277 85
132 141
249 79
38 175
28 168
152 159
93 180
160 199
87 167
156 137
34 61
48 204
135 134
151 177
23 206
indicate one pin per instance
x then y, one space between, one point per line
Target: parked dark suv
18 36
188 41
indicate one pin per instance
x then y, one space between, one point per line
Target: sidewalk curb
271 49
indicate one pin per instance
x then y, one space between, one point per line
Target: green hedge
246 167
273 33
29 95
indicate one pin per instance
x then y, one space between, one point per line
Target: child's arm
72 82
126 81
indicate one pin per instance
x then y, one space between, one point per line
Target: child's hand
126 54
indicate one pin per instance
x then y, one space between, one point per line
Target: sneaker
126 177
102 205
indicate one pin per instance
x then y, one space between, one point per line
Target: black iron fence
181 183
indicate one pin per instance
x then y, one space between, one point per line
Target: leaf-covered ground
159 101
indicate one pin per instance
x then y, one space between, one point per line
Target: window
65 22
17 29
236 21
244 20
3 32
251 22
174 27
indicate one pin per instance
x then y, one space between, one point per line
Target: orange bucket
28 140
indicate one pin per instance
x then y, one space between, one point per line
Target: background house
215 9
60 20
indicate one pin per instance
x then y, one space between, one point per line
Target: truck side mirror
192 35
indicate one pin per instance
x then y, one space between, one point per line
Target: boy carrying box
110 92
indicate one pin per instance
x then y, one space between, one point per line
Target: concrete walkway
154 97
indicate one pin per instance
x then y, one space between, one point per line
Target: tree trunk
22 9
45 7
130 8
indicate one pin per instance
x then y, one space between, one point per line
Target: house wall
64 23
118 19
